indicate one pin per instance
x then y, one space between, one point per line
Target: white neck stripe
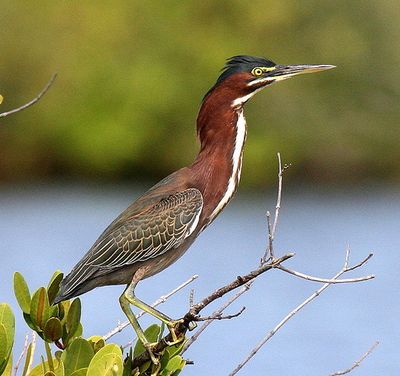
236 164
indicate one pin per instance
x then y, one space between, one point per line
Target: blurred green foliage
132 75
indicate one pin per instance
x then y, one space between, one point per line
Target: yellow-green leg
128 297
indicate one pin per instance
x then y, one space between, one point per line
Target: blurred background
121 115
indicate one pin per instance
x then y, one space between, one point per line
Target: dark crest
240 63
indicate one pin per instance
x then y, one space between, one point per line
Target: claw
149 348
175 338
192 325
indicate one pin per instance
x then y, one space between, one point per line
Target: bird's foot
177 337
149 346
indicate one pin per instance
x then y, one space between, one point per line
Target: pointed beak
283 72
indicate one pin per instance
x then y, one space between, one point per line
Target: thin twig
269 252
239 281
254 351
219 311
21 356
357 362
324 280
219 316
159 301
33 348
33 101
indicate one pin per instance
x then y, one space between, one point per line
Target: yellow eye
257 72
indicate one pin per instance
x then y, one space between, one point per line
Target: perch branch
33 101
254 351
217 312
159 301
357 362
192 314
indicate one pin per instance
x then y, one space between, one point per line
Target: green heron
160 226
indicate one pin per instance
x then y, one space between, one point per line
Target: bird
158 228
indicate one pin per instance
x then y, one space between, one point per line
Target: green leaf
54 285
74 316
80 372
175 365
9 367
53 329
21 291
151 334
175 349
7 332
4 348
49 357
97 342
28 320
106 362
39 369
40 308
77 355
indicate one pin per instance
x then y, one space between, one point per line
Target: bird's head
243 76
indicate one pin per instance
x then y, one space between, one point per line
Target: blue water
43 228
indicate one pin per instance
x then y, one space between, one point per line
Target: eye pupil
257 71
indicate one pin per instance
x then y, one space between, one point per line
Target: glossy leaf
40 308
106 362
54 285
151 334
21 291
28 320
9 367
7 331
80 372
77 355
53 329
39 369
4 348
74 316
97 342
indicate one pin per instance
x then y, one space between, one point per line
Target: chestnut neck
221 130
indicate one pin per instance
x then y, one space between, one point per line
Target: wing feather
141 237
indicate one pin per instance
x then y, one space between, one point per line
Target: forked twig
160 300
325 280
33 101
219 316
254 351
269 252
357 362
217 312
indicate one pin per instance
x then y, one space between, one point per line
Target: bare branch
23 352
33 101
159 301
269 252
324 280
357 362
219 316
254 351
195 309
239 281
219 311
